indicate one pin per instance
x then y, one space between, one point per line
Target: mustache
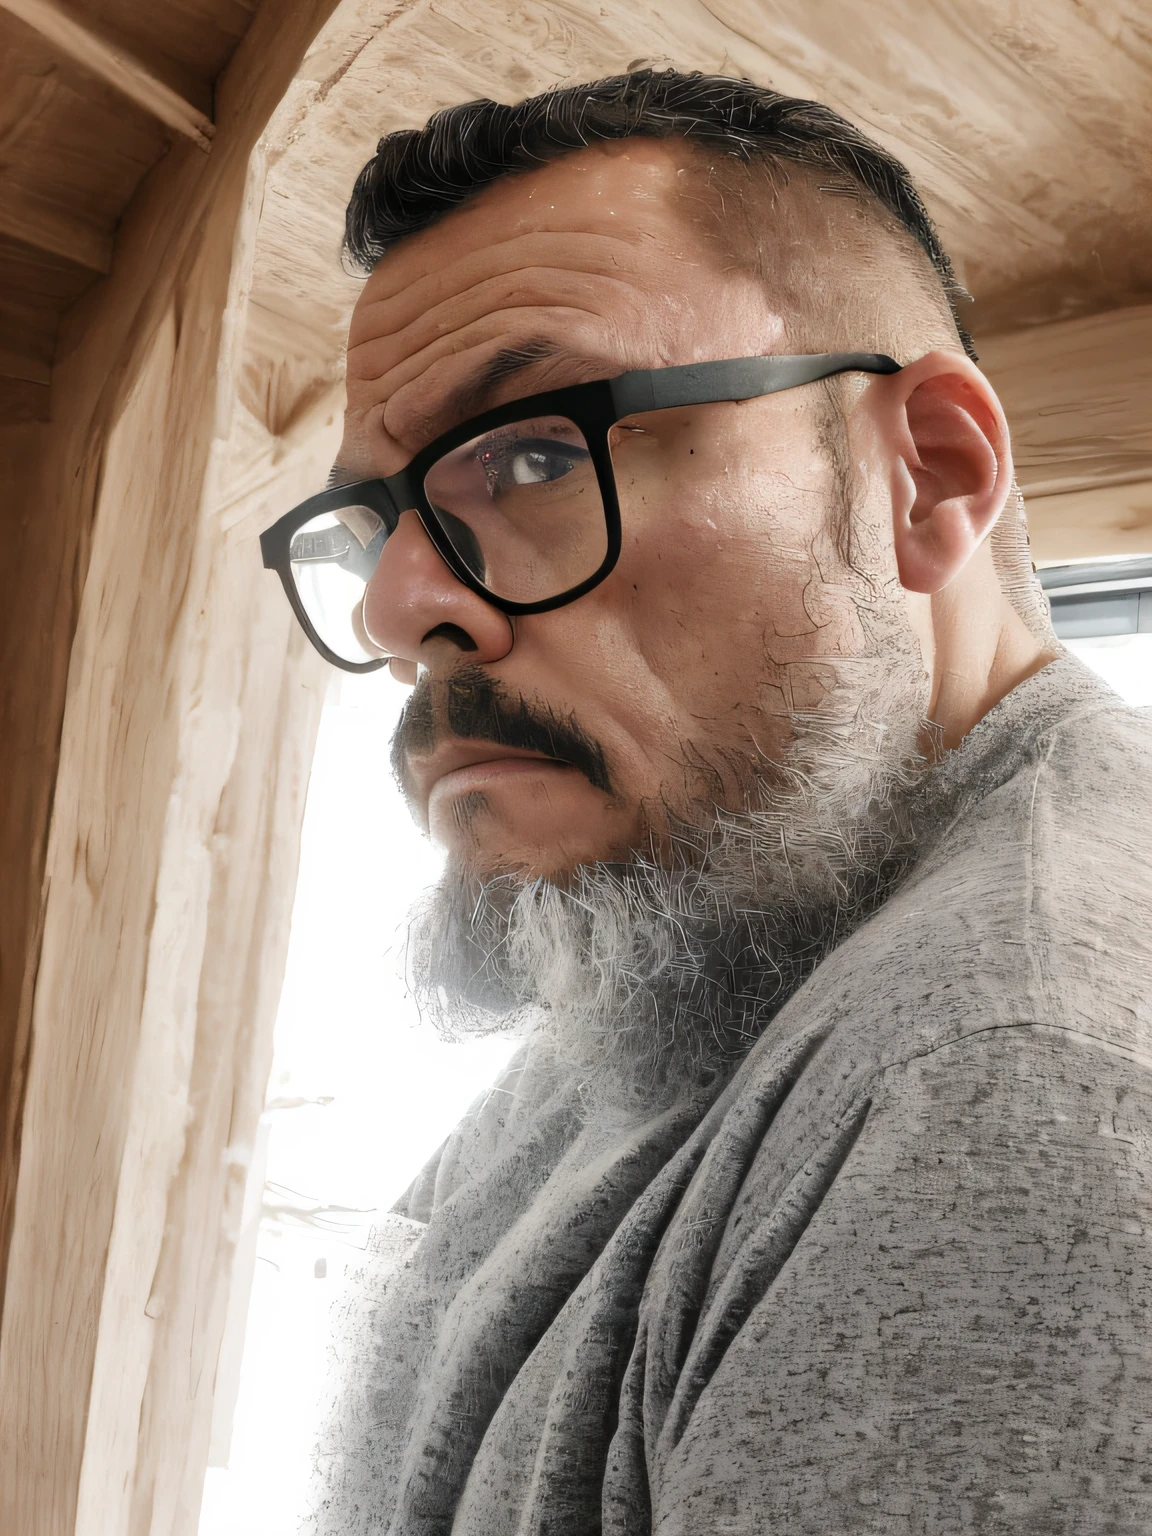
475 707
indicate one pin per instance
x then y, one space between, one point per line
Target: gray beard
648 981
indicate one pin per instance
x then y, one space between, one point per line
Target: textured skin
896 1279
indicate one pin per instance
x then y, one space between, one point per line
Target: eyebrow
470 397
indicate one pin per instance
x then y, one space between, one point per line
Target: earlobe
952 469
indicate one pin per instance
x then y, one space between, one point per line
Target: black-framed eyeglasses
521 502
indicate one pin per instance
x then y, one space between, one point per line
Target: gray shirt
896 1278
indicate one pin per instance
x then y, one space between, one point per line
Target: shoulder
1090 804
962 1258
1031 904
522 1123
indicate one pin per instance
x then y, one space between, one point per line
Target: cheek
730 575
719 618
724 546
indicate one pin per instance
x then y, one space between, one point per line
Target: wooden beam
1078 397
112 65
14 365
134 1124
38 224
1086 525
23 400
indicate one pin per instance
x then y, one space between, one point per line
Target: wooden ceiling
1027 126
1026 123
92 94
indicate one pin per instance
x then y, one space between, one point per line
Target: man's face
729 605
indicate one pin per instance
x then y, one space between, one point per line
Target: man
811 869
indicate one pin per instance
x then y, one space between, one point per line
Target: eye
527 461
534 465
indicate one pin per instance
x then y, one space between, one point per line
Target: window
1102 610
359 1098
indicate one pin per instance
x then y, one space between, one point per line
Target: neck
978 650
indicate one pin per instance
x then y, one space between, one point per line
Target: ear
951 466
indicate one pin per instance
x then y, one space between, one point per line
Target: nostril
459 637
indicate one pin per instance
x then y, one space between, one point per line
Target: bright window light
361 1095
1123 661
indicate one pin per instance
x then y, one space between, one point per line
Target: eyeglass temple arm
741 378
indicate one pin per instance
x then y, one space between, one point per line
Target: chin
525 862
542 831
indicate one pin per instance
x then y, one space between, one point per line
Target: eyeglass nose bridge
404 492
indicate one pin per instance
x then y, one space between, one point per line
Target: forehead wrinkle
540 287
411 419
583 252
513 322
500 247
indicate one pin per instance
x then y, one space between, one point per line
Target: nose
415 607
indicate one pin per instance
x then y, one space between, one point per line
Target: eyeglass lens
520 507
332 558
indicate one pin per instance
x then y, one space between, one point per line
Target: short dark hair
418 174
